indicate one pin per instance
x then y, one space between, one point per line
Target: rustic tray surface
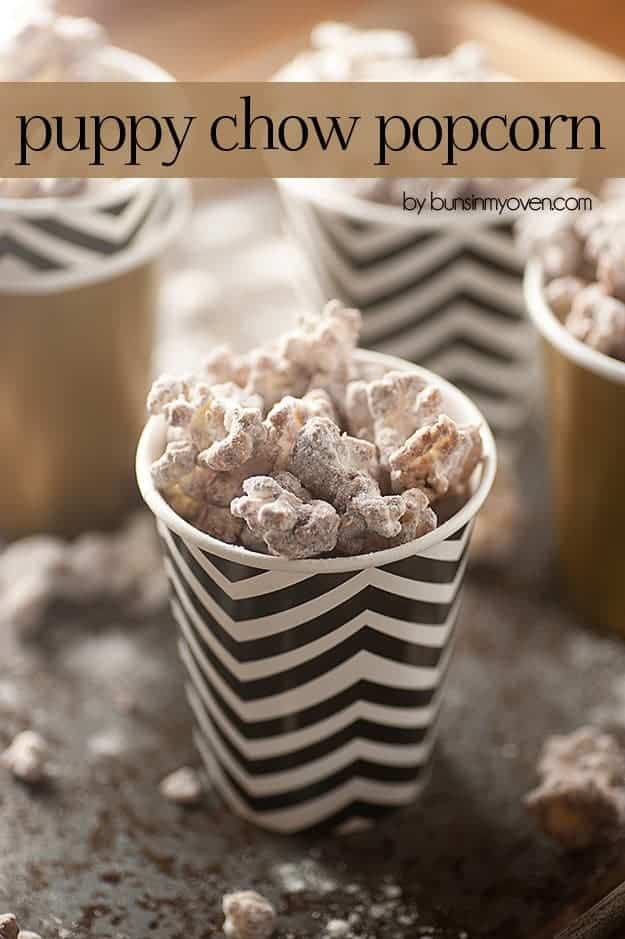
100 853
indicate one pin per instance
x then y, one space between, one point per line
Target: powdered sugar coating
581 797
27 757
292 526
439 458
249 915
282 475
598 319
583 258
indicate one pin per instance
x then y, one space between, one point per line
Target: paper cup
586 398
78 277
316 684
444 291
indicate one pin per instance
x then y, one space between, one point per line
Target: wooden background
201 39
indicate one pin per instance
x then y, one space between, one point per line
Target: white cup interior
457 405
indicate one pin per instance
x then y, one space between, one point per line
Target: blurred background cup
444 290
78 278
302 716
586 417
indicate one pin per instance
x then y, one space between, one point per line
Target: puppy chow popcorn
317 453
294 526
248 915
8 926
583 258
27 758
581 797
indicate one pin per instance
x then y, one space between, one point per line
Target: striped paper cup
442 290
586 408
316 685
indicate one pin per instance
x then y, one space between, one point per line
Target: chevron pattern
315 697
449 298
77 239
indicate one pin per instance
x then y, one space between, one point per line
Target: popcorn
581 798
177 461
399 405
123 567
248 915
324 345
561 293
46 47
583 258
598 319
438 458
293 526
292 482
27 757
357 537
8 926
182 786
286 419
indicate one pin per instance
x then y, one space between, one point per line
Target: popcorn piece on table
183 786
27 757
248 915
291 526
581 797
438 458
124 567
8 926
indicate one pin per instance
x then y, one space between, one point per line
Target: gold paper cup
75 356
586 442
78 279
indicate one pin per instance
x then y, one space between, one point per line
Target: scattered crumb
26 757
581 797
184 786
248 915
124 567
8 926
392 891
27 934
337 928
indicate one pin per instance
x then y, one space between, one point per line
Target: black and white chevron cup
444 291
60 243
316 685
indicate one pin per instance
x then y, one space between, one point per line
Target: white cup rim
136 68
151 446
550 327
